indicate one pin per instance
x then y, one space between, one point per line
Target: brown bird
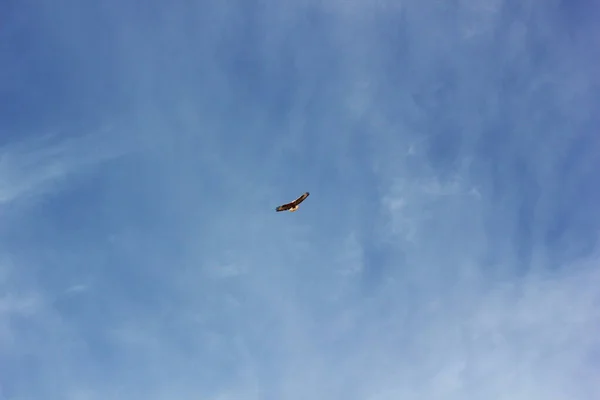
293 206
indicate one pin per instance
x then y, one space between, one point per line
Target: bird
293 206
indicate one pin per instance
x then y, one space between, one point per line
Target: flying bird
293 206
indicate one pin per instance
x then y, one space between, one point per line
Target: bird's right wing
301 198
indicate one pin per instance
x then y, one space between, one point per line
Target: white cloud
36 165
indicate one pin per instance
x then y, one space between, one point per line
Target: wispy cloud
35 165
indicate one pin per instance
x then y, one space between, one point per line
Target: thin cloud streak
35 165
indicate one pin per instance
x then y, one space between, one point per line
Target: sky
449 248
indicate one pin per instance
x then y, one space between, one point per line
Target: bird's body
293 206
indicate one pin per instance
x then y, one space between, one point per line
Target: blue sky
449 248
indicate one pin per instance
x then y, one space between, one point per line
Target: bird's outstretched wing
284 207
301 198
287 206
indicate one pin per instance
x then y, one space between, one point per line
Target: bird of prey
293 206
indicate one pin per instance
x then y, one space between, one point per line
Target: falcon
293 206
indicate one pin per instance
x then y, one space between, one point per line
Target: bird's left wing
284 207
